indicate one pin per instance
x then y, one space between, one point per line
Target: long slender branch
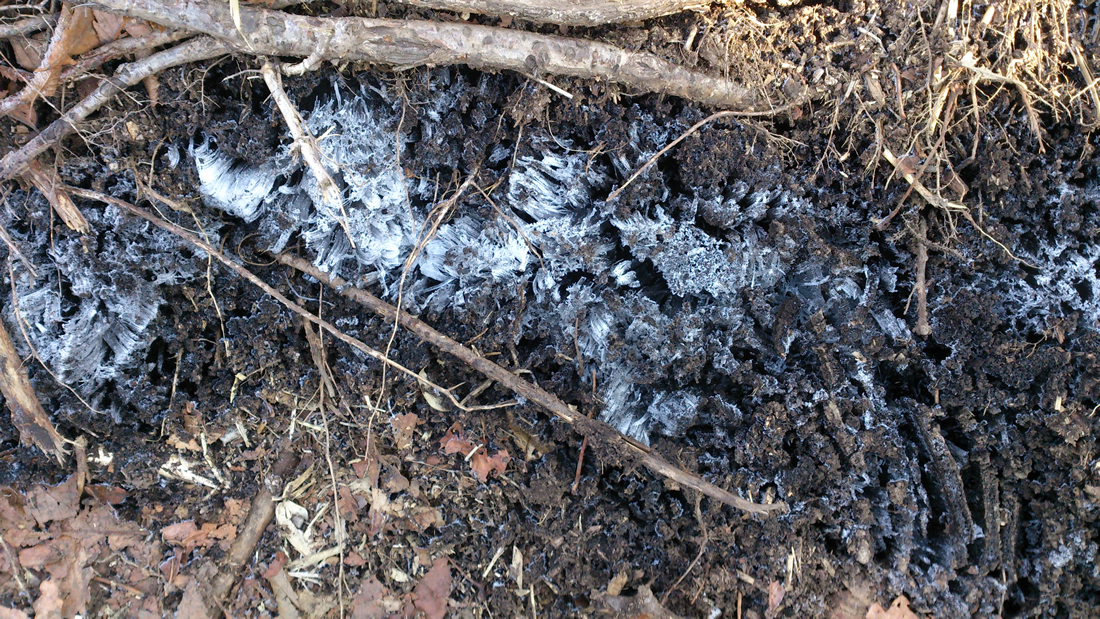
16 162
406 44
531 392
567 12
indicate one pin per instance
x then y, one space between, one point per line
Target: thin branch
27 26
567 12
532 393
412 43
16 162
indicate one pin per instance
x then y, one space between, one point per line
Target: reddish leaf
111 495
483 465
403 426
368 604
430 595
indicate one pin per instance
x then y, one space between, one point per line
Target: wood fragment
58 198
201 48
567 12
414 43
213 592
27 415
531 392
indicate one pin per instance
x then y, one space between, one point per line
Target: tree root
407 44
529 391
567 12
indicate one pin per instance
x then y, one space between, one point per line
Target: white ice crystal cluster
96 329
598 282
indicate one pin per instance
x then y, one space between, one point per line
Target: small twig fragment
58 198
27 416
922 328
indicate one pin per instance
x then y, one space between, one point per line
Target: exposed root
567 12
922 328
407 44
529 391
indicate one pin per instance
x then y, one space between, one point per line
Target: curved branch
567 12
406 44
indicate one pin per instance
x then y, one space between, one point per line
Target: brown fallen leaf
899 609
370 603
403 427
110 495
11 613
483 464
431 593
775 597
644 605
60 502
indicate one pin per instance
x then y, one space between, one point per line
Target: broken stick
414 43
529 391
27 415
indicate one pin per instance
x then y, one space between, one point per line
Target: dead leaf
107 26
899 609
644 604
403 426
483 465
11 613
59 502
28 51
454 441
175 534
49 602
775 597
616 584
110 495
368 604
432 396
431 594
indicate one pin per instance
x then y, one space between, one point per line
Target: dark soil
959 469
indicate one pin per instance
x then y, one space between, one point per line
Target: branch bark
567 12
407 44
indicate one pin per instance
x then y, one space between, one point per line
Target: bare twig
49 186
529 391
567 12
303 141
16 162
413 43
27 26
27 415
119 48
44 79
248 537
